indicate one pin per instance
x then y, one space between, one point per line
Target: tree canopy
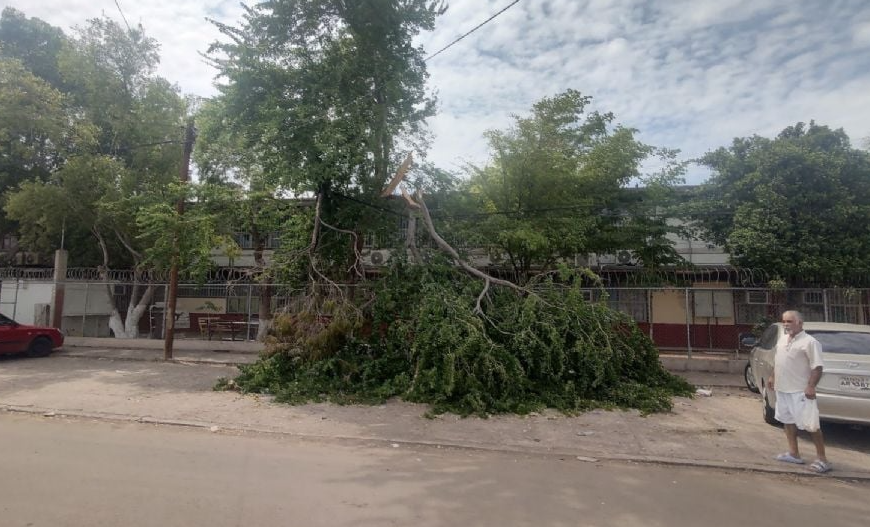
557 187
797 206
324 90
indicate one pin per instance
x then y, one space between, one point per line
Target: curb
184 361
579 455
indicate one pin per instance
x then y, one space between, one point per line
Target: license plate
855 383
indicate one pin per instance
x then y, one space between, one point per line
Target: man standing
797 369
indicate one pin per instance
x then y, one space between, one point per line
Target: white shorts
790 407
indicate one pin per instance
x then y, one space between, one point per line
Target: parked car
844 389
746 341
36 341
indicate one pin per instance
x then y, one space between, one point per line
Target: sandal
786 457
820 467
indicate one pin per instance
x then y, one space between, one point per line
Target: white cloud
689 74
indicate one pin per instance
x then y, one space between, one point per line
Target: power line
515 2
122 16
367 204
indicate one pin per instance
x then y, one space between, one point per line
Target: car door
846 375
763 354
11 338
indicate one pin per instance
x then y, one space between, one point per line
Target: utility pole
184 176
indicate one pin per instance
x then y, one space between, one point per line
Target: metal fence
713 319
684 320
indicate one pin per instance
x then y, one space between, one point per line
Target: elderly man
796 372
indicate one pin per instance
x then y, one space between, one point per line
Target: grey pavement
70 472
724 430
181 345
706 369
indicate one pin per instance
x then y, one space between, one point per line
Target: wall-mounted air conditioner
376 258
26 258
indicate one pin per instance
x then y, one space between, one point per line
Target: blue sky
688 74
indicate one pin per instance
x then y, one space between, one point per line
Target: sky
687 74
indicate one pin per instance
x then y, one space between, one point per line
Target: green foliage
93 137
797 206
424 343
322 90
34 42
556 188
187 239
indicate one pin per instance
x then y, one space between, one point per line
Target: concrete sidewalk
709 369
179 345
723 431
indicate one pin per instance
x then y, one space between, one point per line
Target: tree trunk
116 325
264 312
128 328
135 312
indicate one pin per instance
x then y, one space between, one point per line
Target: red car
36 341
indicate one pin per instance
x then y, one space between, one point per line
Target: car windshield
843 342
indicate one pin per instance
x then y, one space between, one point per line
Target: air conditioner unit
625 258
26 258
376 258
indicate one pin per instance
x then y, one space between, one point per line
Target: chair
204 327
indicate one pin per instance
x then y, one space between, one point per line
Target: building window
757 297
632 302
814 296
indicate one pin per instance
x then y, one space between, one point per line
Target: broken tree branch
358 266
446 247
478 309
411 238
400 175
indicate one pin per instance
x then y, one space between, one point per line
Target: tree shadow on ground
20 373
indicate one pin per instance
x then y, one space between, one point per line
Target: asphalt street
60 472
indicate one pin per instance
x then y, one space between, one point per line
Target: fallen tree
421 339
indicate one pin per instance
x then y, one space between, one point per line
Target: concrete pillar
60 260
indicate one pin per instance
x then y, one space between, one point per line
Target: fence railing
683 320
713 319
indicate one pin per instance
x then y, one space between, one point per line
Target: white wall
96 296
20 304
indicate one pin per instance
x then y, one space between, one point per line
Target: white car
844 389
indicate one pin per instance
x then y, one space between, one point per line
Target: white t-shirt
794 361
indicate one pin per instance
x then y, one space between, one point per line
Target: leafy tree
38 128
423 342
797 206
556 187
324 93
119 190
35 43
242 194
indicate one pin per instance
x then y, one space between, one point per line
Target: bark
116 324
442 244
127 327
264 310
411 239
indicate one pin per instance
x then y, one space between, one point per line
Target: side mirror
748 341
